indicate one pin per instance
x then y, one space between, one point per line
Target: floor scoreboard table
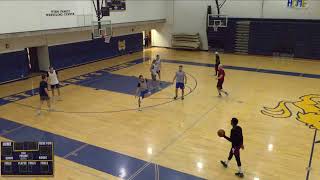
27 159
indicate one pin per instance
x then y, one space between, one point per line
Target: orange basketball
221 133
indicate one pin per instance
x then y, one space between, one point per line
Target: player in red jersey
220 78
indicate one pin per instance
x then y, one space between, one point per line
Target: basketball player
54 81
220 78
217 63
153 70
236 140
181 80
44 93
142 90
158 66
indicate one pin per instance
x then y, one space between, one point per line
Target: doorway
146 39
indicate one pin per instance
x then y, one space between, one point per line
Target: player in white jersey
142 90
158 66
153 70
181 80
54 81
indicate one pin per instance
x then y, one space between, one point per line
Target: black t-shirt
217 59
42 87
236 137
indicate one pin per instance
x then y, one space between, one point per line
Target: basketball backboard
101 29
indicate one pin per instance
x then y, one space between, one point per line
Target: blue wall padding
66 55
13 65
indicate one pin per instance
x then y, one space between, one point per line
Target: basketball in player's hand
221 133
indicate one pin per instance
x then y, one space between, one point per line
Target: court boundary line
248 69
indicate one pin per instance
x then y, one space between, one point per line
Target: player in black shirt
216 65
44 93
236 140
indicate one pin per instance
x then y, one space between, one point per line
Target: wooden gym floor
99 134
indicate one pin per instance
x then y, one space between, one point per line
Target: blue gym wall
13 65
267 36
67 55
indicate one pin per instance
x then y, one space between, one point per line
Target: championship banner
297 3
116 5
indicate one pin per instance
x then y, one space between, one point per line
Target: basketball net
215 28
107 38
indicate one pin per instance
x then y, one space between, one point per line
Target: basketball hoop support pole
99 14
311 155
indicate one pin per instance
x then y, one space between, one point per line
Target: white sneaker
38 112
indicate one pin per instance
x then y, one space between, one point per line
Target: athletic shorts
219 84
216 67
44 98
236 150
154 77
143 93
179 85
55 86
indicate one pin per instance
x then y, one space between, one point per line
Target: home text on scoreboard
27 159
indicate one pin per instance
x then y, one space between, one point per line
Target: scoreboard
116 5
27 158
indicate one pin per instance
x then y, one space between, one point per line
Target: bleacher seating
186 41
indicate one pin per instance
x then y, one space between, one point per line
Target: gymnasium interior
269 56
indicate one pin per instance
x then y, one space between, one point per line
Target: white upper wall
30 15
269 9
140 10
279 9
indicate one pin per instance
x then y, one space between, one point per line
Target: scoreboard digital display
116 5
27 159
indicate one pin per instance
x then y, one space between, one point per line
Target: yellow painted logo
308 110
122 45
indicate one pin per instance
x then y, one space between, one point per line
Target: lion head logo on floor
308 110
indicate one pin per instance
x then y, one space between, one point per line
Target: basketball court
99 133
